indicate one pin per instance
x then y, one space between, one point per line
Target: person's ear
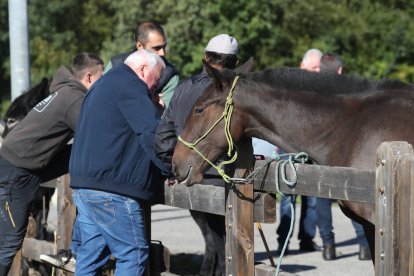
141 70
139 45
88 77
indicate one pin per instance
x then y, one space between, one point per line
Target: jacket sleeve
166 138
142 116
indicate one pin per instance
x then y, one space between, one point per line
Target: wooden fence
390 188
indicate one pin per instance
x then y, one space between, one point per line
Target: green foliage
374 37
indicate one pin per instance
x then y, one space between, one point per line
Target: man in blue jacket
113 165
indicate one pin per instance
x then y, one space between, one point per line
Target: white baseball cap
222 44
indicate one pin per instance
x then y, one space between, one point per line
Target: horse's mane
324 83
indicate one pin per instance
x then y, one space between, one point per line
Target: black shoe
309 246
329 252
364 253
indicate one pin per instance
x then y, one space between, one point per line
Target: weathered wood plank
16 265
32 248
50 184
264 208
211 199
394 237
239 219
66 211
322 181
201 197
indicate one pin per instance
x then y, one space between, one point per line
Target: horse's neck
294 122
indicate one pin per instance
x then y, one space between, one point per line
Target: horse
339 120
19 108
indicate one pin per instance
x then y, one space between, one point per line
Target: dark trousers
17 191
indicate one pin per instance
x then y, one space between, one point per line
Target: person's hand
170 181
157 100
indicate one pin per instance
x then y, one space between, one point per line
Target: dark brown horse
338 120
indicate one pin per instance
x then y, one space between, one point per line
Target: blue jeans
307 223
360 235
110 223
324 211
76 237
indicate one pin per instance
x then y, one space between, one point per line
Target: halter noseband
228 110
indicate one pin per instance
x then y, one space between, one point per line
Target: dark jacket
174 117
113 148
48 127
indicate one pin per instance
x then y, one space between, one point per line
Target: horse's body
338 120
19 108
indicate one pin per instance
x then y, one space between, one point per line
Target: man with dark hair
332 63
221 52
35 144
150 36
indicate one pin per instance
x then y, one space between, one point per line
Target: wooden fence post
394 207
66 215
239 218
66 212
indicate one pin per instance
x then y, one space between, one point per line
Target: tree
374 37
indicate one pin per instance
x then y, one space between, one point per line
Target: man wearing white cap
220 52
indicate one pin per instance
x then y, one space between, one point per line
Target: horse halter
226 116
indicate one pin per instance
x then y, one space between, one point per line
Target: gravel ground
177 231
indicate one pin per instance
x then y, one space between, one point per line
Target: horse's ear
214 75
245 67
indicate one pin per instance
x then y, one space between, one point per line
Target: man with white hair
311 60
113 165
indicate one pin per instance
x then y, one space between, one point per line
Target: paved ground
176 229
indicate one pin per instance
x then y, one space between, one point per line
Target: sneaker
64 259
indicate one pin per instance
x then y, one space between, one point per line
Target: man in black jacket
221 52
31 148
151 37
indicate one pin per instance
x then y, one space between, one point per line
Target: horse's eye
198 110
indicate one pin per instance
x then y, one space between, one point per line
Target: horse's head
19 108
204 128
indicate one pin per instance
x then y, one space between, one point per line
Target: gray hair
309 53
141 56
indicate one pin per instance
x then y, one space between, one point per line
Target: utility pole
19 47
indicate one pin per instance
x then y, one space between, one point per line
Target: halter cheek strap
226 116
